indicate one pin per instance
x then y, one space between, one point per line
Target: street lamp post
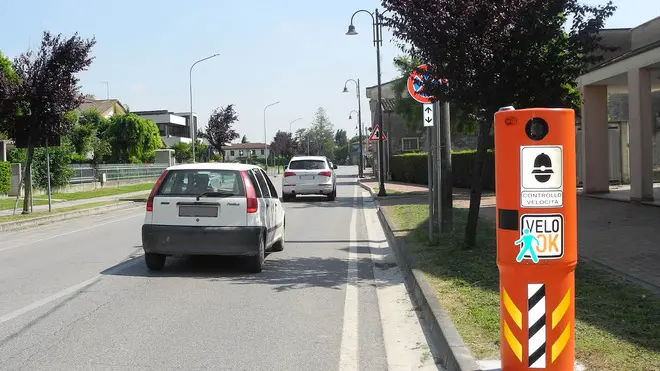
357 94
190 118
298 119
377 24
265 137
350 117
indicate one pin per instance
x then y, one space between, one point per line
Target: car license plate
307 177
198 211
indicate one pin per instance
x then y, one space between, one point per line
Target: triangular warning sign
375 135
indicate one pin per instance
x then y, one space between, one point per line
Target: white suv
213 209
309 175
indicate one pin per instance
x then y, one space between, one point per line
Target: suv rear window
307 165
195 182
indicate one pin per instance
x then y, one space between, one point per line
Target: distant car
213 209
309 175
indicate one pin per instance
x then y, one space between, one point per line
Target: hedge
5 177
412 168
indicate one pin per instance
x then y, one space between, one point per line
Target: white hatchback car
309 175
213 209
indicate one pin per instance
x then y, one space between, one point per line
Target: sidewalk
618 236
65 204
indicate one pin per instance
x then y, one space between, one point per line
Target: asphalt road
77 296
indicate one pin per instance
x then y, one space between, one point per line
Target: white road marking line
406 346
68 291
348 353
70 232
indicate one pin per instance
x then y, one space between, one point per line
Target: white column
641 135
595 143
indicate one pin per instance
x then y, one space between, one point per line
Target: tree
182 152
219 131
84 130
34 104
7 71
341 143
132 139
283 144
300 141
496 53
86 136
244 139
321 134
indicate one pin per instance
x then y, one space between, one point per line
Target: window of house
409 144
262 152
231 153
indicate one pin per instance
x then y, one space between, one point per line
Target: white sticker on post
541 176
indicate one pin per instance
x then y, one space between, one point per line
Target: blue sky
292 51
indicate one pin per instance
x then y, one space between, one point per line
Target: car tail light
154 190
289 173
326 173
250 193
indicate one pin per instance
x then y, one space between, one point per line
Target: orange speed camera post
535 174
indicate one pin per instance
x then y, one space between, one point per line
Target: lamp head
350 117
351 30
345 90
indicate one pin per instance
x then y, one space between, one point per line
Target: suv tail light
154 190
289 173
325 173
250 193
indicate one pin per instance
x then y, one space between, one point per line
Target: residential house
241 151
186 115
105 107
172 127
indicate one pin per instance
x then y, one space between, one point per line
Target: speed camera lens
536 128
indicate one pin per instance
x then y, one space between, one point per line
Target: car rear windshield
225 183
307 165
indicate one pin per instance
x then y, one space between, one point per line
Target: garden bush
5 177
412 168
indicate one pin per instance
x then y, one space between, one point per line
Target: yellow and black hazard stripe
516 316
557 315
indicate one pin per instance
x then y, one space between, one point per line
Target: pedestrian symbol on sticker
541 176
527 247
541 237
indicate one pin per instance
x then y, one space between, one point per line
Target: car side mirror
286 167
334 166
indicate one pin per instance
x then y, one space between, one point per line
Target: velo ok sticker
541 237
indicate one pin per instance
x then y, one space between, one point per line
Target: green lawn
617 322
18 216
8 203
104 192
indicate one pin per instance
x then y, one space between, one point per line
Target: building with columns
628 148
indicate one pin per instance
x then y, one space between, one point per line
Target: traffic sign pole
439 163
447 221
536 237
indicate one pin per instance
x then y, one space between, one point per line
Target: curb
34 222
448 345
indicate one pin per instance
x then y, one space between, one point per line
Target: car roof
296 158
213 166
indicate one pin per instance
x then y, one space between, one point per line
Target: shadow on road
283 274
320 201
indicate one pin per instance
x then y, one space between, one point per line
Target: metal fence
83 173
